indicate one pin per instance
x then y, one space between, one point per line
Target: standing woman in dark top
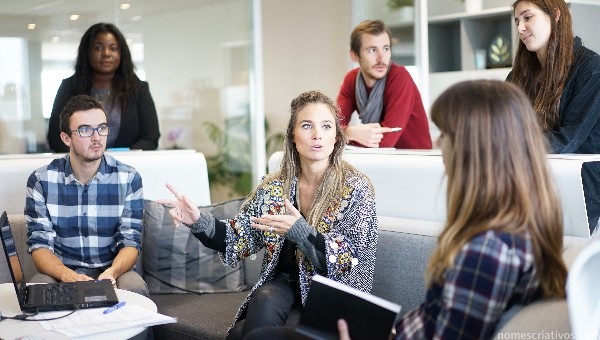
562 79
105 71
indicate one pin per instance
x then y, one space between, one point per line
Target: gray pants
130 280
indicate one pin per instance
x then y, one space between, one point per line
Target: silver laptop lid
12 259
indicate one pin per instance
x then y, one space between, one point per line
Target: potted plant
230 169
398 4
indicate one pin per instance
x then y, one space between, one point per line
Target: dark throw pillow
174 261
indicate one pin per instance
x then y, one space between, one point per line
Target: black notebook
53 296
368 316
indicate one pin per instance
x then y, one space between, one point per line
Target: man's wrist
349 134
66 274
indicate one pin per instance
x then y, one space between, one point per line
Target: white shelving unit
454 38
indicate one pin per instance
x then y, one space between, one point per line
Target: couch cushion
174 261
545 319
410 226
403 250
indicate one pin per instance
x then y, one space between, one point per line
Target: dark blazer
579 123
139 122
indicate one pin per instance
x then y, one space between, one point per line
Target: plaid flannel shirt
492 272
84 225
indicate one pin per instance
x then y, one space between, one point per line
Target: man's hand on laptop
106 275
72 276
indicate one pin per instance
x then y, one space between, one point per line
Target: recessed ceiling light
125 6
129 41
55 39
74 17
31 26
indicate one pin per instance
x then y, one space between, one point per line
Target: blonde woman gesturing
316 215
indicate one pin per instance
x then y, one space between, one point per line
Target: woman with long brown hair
561 77
501 245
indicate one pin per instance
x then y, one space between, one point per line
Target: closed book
368 316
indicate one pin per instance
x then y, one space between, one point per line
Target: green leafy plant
274 142
397 4
231 166
499 52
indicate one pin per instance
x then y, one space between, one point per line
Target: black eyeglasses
88 131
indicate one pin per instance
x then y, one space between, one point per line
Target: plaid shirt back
492 272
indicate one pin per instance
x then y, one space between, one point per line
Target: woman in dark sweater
562 79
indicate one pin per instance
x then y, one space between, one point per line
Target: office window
195 55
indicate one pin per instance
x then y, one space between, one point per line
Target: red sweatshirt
402 107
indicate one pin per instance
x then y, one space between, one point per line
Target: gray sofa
403 249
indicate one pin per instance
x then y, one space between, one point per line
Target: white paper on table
93 321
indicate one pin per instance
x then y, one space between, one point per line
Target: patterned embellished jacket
349 228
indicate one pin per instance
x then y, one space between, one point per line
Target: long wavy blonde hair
331 185
498 177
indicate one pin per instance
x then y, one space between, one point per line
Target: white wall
185 63
305 47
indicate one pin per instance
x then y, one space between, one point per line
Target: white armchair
583 296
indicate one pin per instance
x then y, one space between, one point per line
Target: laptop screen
12 259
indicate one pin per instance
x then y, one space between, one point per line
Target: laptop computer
53 296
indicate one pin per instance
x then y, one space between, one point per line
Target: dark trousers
276 303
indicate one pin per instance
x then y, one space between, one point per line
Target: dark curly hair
124 81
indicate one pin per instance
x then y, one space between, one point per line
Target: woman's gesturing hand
278 224
182 209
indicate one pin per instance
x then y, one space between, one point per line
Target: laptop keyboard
63 293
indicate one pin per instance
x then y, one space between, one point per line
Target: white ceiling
52 16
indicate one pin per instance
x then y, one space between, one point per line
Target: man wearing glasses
84 210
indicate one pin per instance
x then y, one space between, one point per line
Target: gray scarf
370 106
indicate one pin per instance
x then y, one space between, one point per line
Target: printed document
86 322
